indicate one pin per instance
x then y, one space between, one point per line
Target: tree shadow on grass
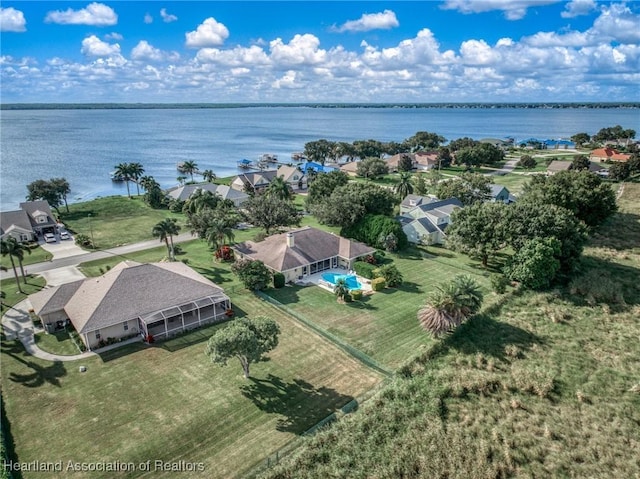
410 287
216 275
40 375
362 303
286 295
301 404
411 253
620 232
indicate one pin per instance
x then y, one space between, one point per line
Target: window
126 326
97 334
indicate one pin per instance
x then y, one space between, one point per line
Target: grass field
115 220
382 325
13 296
170 403
539 385
37 255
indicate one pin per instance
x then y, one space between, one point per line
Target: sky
319 52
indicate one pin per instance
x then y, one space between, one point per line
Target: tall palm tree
190 167
136 170
404 186
10 247
450 305
148 182
279 188
209 176
341 290
165 230
123 170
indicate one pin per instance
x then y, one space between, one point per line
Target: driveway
58 276
62 248
508 167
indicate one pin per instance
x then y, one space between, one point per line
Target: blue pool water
352 282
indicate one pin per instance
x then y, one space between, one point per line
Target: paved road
84 256
508 167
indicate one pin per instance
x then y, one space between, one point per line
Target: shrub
371 228
391 275
278 280
378 284
499 283
364 269
225 253
253 274
356 294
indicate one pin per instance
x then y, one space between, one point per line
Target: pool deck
316 279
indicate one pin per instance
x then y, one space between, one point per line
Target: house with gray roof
258 180
155 300
184 192
424 219
303 252
501 193
32 219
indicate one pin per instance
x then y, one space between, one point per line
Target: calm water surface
85 145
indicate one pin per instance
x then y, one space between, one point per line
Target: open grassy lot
115 220
382 325
539 385
169 403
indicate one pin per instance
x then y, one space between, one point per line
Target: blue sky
447 51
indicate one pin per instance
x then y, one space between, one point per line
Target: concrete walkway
17 324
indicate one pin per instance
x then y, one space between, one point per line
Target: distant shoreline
450 105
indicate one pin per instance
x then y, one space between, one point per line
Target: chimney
290 240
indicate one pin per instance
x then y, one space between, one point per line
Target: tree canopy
536 264
469 188
270 212
372 168
253 273
53 191
481 154
246 339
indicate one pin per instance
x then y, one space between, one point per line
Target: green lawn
13 296
56 343
382 325
115 220
37 255
170 403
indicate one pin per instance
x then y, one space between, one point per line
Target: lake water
83 146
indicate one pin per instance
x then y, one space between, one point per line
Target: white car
65 235
49 238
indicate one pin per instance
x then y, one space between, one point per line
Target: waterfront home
393 162
154 300
33 219
293 176
425 219
257 181
559 165
184 192
350 168
303 252
427 160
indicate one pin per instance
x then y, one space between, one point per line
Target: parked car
65 235
49 238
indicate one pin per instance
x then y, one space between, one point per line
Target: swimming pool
352 282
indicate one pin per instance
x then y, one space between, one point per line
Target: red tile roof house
608 154
303 252
133 299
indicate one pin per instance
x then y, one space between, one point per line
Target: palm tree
209 176
136 170
123 170
148 182
190 167
181 179
217 232
165 230
450 305
279 189
10 247
341 290
403 186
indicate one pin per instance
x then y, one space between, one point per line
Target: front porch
174 320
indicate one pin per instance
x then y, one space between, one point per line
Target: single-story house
302 252
501 193
393 162
258 180
33 219
316 167
184 192
559 165
426 160
154 299
426 222
608 154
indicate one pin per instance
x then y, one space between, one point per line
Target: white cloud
370 21
92 46
148 18
96 14
144 51
290 80
167 17
238 56
301 50
513 9
209 33
618 23
576 8
113 36
12 20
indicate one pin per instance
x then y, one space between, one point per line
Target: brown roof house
133 299
558 165
608 154
305 251
258 181
32 219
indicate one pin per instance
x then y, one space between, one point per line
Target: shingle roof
18 218
131 289
55 299
310 245
447 205
184 192
40 206
258 178
415 200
